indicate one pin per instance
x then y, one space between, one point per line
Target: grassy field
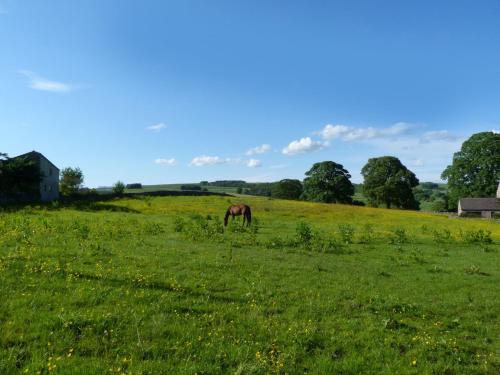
153 285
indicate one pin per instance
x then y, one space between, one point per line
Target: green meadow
157 286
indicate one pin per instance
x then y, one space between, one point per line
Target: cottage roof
480 204
36 154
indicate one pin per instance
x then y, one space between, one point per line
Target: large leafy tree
71 181
19 178
287 189
475 170
387 181
328 182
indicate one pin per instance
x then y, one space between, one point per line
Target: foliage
346 233
303 234
475 170
134 186
119 188
328 182
71 181
399 236
191 187
387 181
19 178
480 236
287 189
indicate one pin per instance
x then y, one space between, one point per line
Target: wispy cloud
157 127
43 84
351 133
302 146
418 163
166 162
278 166
440 135
262 149
254 163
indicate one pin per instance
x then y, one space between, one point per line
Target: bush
191 187
476 236
118 188
368 235
346 233
303 234
399 236
443 236
134 186
325 244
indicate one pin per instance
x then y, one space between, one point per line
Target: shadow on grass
156 285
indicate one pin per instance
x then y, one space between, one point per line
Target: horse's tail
249 215
226 217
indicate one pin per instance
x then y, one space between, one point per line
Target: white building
49 184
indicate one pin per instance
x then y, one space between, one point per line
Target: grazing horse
238 210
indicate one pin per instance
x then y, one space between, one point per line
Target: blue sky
183 91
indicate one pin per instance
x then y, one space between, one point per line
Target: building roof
480 204
37 155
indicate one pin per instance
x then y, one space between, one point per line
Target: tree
475 169
287 189
119 188
71 180
19 178
328 182
387 181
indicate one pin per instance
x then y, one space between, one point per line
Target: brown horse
238 210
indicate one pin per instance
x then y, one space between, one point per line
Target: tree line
474 172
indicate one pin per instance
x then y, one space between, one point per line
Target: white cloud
262 149
496 131
301 146
254 163
278 166
43 84
350 133
157 127
201 161
168 162
418 163
440 135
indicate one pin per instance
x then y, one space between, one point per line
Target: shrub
346 233
191 187
476 236
443 236
399 236
179 224
324 244
119 188
303 234
368 235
